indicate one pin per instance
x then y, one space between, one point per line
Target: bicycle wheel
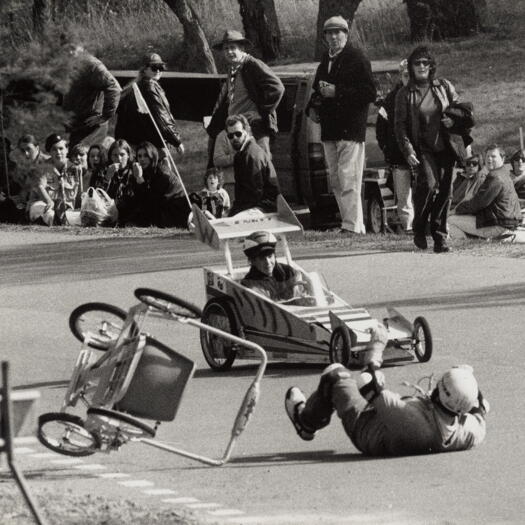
129 426
167 303
66 434
101 321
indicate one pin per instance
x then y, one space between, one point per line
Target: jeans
461 225
403 191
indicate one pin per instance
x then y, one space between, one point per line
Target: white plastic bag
97 208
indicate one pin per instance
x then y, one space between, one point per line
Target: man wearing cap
277 281
386 139
93 98
251 89
343 89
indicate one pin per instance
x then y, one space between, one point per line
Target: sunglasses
422 62
472 163
237 134
156 68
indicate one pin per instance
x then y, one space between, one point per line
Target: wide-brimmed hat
153 59
231 36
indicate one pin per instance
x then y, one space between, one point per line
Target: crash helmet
457 390
259 242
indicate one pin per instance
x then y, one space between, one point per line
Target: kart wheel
340 346
66 434
218 352
103 322
374 220
167 303
111 420
422 339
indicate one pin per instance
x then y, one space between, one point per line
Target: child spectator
517 162
78 156
166 205
97 159
213 197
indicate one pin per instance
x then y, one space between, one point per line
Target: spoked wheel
101 321
218 352
66 434
111 421
340 346
374 222
422 337
167 303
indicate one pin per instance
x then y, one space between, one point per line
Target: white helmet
258 242
458 389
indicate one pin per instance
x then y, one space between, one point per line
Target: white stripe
69 461
203 505
23 450
226 512
180 500
113 475
136 483
45 455
91 466
159 492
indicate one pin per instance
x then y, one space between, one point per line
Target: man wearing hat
343 89
93 97
251 89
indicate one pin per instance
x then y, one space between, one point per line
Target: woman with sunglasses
421 132
468 181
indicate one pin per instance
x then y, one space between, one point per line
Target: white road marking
159 492
182 500
23 450
226 512
68 461
136 483
203 505
25 440
113 475
91 466
44 455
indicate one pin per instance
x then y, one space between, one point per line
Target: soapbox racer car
320 328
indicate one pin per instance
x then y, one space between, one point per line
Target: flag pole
521 138
141 101
4 152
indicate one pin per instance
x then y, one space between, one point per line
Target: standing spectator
11 209
494 209
517 162
137 127
223 155
255 179
468 181
420 126
386 140
93 98
251 89
343 89
97 159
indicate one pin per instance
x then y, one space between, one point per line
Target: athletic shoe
294 403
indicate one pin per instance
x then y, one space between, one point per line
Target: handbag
97 208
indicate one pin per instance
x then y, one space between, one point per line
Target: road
474 306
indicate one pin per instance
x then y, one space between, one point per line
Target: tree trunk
441 19
261 26
41 15
328 8
196 55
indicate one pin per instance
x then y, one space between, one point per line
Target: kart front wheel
340 346
66 434
111 421
218 352
422 337
167 303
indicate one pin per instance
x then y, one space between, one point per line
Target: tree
41 15
328 8
196 54
261 26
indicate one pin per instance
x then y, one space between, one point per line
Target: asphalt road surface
474 305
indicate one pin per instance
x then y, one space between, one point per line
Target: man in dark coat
343 89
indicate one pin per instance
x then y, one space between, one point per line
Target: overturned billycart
320 327
127 380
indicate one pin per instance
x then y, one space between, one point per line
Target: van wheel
374 215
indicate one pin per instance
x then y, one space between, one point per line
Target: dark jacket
94 91
458 136
279 286
265 89
495 203
385 135
256 183
137 127
344 116
407 121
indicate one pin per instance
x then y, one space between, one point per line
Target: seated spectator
10 189
517 162
97 159
126 184
78 156
56 187
494 209
213 197
279 282
165 203
223 154
468 181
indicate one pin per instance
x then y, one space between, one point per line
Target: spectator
56 187
137 127
97 159
93 98
517 161
494 209
251 89
223 155
386 139
343 89
78 156
11 204
468 181
420 126
126 185
165 203
213 198
255 179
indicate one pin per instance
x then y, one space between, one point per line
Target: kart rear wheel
167 303
129 426
422 337
218 352
101 321
66 434
340 346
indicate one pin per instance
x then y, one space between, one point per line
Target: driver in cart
277 281
450 417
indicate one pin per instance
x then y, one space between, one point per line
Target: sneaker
294 403
333 366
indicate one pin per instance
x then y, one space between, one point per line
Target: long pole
521 138
4 152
